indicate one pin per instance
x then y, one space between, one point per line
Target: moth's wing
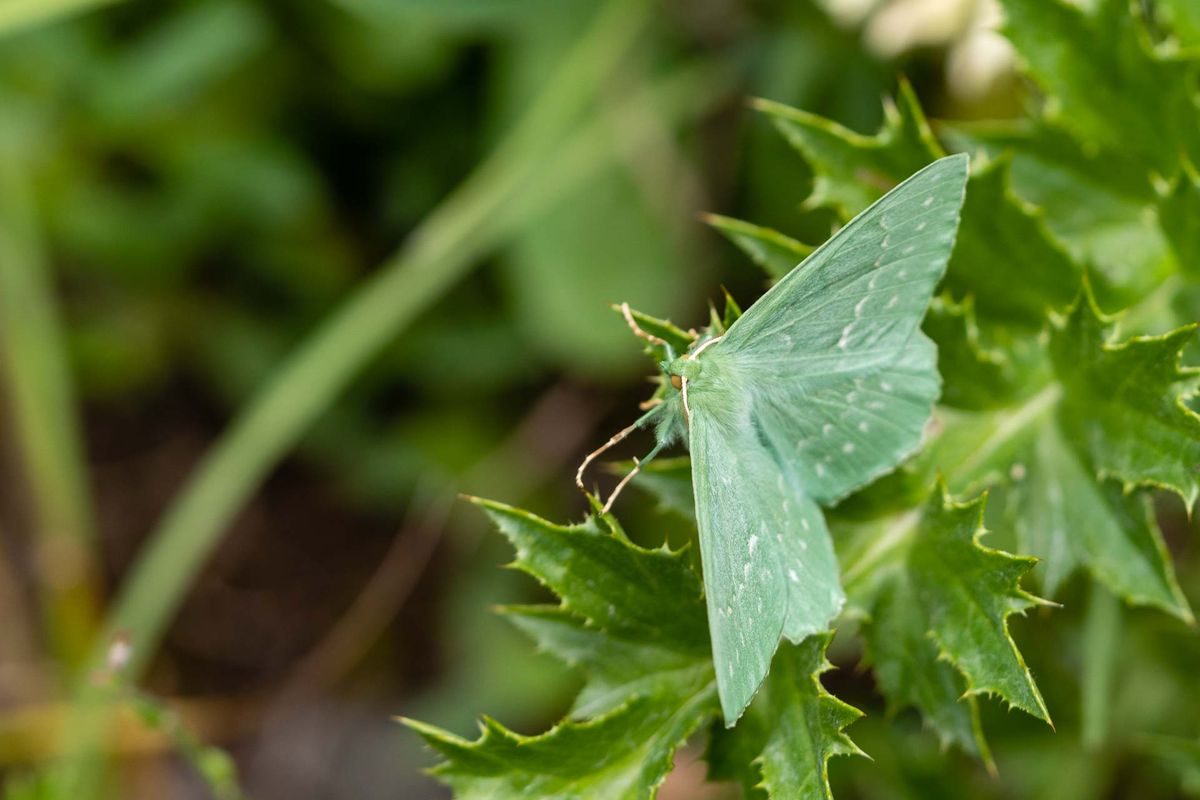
852 306
848 433
769 567
843 381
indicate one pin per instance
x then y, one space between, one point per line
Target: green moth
821 386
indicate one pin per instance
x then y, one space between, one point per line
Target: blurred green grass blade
17 15
41 402
469 223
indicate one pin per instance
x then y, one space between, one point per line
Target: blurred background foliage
192 190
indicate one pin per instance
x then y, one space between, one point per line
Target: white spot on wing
794 577
848 448
928 201
863 426
753 544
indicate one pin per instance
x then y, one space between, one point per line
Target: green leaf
776 253
1097 202
1006 258
623 755
803 724
909 672
602 577
1069 519
1183 19
615 668
632 620
1064 509
1106 83
852 170
974 376
967 592
670 333
1179 216
1124 404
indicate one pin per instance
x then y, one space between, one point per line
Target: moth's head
680 368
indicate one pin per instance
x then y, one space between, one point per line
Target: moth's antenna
683 381
637 329
637 466
615 440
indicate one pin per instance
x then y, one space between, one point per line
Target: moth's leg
637 466
615 440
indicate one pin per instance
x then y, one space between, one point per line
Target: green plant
1075 427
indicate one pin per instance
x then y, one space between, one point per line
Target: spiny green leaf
632 620
1123 404
1070 519
1006 258
852 170
1105 81
679 339
615 668
804 724
909 672
639 594
967 592
776 253
623 755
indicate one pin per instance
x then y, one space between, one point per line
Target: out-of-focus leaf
1179 215
776 253
168 67
1098 203
1005 257
974 376
851 170
1105 82
17 15
1182 17
1183 757
1070 518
